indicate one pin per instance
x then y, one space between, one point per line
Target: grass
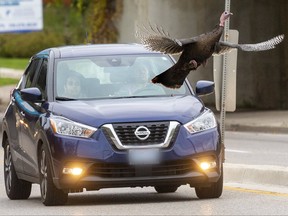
15 63
8 81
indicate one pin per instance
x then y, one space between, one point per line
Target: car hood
98 112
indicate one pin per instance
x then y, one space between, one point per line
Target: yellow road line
256 191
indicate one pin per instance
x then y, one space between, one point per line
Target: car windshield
112 76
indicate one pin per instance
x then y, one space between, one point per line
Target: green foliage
81 5
26 45
100 19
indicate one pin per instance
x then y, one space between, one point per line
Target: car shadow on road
128 198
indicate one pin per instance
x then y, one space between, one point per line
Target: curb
267 176
259 129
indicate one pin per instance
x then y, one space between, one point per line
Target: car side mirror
31 94
204 87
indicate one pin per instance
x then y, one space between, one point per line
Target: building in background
262 77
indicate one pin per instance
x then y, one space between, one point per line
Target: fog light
73 171
207 165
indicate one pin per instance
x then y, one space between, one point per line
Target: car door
32 123
15 118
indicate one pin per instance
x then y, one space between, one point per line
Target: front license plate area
144 156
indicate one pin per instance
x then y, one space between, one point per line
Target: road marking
256 191
237 151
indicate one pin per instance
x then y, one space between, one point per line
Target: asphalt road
256 148
145 201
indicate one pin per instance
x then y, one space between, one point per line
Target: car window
41 79
113 76
30 73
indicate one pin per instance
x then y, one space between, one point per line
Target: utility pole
225 71
224 80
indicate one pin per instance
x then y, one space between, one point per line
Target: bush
25 45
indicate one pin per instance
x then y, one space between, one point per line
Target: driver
138 80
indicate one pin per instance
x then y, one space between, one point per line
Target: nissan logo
142 132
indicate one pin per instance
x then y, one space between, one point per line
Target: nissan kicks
88 117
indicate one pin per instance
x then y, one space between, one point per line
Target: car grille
123 135
174 168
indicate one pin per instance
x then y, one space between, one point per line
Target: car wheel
214 191
50 195
166 188
15 188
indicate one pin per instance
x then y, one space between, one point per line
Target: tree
100 18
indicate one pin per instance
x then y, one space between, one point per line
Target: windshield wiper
138 96
65 99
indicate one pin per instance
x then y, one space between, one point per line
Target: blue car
88 117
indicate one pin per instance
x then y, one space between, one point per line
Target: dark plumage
195 50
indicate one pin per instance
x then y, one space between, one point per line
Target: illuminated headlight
203 122
67 127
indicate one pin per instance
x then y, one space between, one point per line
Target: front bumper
106 175
104 166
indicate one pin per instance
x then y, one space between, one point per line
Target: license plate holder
144 156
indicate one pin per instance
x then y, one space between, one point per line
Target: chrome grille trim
116 141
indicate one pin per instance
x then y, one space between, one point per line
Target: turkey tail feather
156 39
266 45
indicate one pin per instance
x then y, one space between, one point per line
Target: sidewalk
274 121
12 73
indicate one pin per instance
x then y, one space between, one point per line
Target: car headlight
204 122
67 127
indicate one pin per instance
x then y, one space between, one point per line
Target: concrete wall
262 77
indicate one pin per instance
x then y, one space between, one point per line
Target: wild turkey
195 50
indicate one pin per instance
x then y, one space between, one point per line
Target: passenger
73 86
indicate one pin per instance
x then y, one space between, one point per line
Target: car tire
214 191
15 187
166 188
50 195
